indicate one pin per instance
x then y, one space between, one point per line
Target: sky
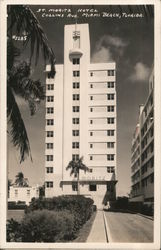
114 36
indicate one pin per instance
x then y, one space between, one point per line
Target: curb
145 216
107 230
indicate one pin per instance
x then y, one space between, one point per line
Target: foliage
22 20
123 204
42 226
16 206
9 185
80 206
19 83
75 166
13 231
20 180
42 191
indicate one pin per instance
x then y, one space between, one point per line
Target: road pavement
126 227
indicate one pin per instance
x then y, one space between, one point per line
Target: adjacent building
81 120
142 153
23 194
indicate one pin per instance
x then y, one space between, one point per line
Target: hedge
16 206
42 226
56 219
80 206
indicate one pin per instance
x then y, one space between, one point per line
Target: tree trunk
78 192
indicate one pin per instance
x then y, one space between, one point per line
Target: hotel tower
81 121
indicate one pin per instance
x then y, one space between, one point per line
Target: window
75 144
91 86
50 133
76 61
75 97
91 133
91 73
91 145
91 157
110 96
28 192
75 132
75 85
110 72
110 144
50 98
91 97
75 186
91 121
110 132
76 73
110 84
16 192
75 120
110 157
75 108
49 170
90 170
91 109
110 169
49 157
49 184
92 187
50 122
50 110
110 120
49 145
75 157
50 86
110 108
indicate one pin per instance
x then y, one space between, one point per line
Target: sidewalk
98 233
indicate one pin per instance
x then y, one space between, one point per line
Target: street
126 227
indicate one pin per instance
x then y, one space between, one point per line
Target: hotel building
81 121
142 153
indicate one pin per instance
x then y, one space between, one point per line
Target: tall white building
142 152
81 121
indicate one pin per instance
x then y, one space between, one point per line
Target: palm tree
20 181
22 20
20 84
75 167
9 185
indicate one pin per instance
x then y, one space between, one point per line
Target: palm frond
31 91
18 131
12 54
22 19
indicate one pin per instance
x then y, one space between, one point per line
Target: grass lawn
85 230
15 214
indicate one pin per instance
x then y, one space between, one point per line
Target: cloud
140 73
108 48
102 55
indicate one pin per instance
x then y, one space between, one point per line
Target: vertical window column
75 109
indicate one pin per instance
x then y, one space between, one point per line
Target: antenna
76 19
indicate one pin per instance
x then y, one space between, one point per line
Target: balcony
75 52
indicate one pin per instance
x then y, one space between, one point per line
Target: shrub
18 205
42 226
13 231
78 205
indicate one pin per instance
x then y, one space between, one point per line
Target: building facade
23 194
81 120
142 160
